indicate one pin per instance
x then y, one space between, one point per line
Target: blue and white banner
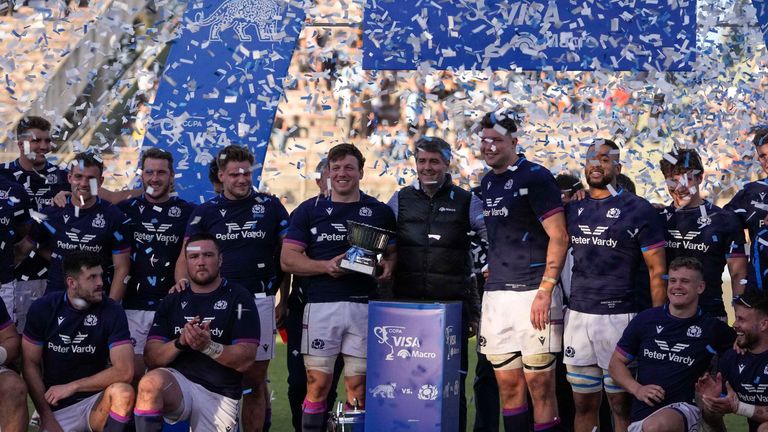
222 83
531 34
414 356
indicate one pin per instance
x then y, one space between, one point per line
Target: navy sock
553 426
117 423
313 416
516 419
148 420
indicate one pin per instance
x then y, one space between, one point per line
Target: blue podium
413 367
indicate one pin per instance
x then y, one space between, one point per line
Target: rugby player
617 241
69 338
249 227
201 341
336 313
156 225
13 403
697 228
521 321
672 346
14 218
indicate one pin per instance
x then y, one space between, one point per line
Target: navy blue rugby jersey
748 375
711 235
250 232
41 186
515 203
320 226
101 228
608 237
751 207
75 343
14 211
231 313
156 232
672 353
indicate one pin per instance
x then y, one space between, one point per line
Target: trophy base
360 267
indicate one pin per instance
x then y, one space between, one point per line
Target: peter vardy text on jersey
597 241
677 358
687 244
167 239
88 349
80 246
241 235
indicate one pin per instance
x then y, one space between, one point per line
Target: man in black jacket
434 221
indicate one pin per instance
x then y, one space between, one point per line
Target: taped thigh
322 364
585 379
539 362
611 386
354 366
507 361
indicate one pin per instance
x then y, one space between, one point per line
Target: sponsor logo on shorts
265 347
482 341
318 344
570 352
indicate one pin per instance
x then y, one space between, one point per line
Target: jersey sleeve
120 232
298 229
282 218
118 330
736 205
544 195
162 325
246 327
195 224
650 226
734 235
34 329
629 344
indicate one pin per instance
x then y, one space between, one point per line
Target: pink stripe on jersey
552 212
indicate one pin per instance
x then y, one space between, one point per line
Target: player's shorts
505 324
26 293
75 418
4 369
591 339
333 328
691 417
266 306
8 294
139 323
204 409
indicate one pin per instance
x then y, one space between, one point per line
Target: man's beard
203 281
602 184
747 341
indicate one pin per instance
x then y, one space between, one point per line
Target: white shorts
75 418
505 324
333 328
204 409
26 293
139 323
8 294
691 415
591 339
266 306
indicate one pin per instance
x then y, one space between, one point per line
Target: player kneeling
201 341
68 340
13 403
673 346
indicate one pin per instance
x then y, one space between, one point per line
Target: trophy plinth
367 242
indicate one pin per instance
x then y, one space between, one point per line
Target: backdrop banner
532 35
222 83
413 366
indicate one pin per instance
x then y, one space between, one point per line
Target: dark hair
506 119
761 136
74 262
234 153
433 145
156 153
626 183
32 122
686 160
569 184
322 165
753 299
690 263
88 159
202 236
340 151
213 173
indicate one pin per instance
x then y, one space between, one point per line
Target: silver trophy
367 242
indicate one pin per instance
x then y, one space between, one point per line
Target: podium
414 357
